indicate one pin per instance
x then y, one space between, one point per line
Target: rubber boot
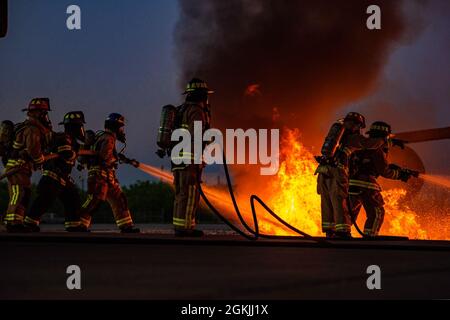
194 233
330 234
80 228
130 229
32 228
343 235
16 228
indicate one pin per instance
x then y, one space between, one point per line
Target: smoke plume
277 63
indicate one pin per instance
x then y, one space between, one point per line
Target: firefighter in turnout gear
56 181
342 141
187 175
102 181
30 140
366 166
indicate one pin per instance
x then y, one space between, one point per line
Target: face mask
45 120
121 134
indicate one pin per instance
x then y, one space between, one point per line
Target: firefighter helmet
356 118
115 119
115 122
74 124
196 85
42 104
379 129
74 117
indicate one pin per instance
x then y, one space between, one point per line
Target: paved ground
158 266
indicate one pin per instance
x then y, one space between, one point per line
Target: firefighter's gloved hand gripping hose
254 233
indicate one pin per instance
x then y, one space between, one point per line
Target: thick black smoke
308 58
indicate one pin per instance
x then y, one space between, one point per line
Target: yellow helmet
197 85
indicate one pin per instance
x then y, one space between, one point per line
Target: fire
295 198
400 219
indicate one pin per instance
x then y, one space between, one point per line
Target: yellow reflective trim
396 174
13 201
382 128
54 176
87 202
31 221
69 224
85 221
13 190
347 151
121 221
64 148
342 227
365 184
13 217
39 159
15 197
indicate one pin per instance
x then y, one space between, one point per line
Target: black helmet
115 118
379 129
115 122
73 117
357 118
197 85
74 124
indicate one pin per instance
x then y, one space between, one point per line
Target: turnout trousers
19 189
48 190
106 189
332 186
187 196
373 204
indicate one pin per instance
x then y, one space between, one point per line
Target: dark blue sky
123 60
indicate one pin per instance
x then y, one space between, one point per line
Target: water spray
207 193
441 181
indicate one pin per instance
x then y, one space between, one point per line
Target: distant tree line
149 202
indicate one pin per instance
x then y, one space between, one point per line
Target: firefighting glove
124 159
405 175
161 153
393 166
399 143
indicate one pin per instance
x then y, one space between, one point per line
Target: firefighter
30 141
6 140
56 181
187 175
333 170
366 167
102 181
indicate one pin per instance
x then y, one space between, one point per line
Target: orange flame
295 198
253 90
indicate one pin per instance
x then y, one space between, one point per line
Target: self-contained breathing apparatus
169 117
6 140
332 143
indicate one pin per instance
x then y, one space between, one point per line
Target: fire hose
254 234
47 157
